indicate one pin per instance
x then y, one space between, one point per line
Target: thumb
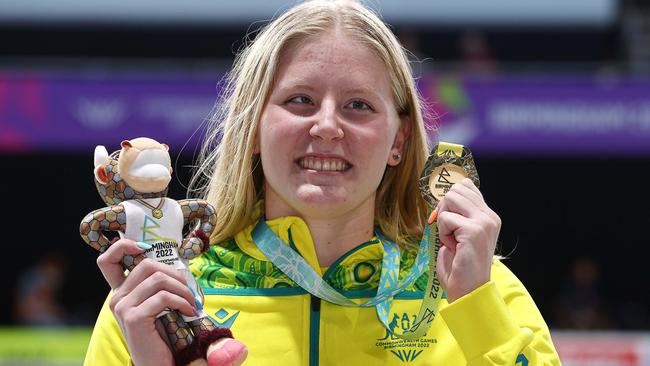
226 352
444 265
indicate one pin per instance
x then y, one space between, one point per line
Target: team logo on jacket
405 351
224 319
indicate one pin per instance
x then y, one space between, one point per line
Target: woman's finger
149 309
455 202
444 264
470 184
110 262
146 269
467 192
448 223
467 186
156 283
166 300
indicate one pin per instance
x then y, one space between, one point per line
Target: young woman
321 138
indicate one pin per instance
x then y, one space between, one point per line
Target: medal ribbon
298 270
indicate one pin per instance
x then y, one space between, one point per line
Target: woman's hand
139 297
468 231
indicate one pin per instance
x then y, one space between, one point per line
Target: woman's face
328 130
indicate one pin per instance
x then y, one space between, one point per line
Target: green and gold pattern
225 265
363 272
349 274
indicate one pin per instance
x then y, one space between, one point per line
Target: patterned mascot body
133 182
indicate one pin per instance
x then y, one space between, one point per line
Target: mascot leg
184 346
195 343
216 344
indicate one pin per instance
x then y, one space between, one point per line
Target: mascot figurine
133 183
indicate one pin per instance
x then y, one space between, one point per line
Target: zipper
314 330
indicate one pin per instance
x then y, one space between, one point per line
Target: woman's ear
401 137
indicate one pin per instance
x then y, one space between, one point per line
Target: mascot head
141 169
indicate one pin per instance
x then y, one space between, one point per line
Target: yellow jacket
282 324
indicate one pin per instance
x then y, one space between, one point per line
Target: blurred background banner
552 96
543 114
50 112
535 115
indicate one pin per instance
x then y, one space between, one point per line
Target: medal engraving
447 164
443 177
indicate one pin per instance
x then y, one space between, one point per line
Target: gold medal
155 211
447 164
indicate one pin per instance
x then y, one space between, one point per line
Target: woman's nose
327 125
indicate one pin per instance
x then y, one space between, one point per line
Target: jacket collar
293 230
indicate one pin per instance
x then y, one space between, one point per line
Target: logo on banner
101 113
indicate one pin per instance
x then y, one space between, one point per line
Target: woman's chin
337 204
323 198
318 192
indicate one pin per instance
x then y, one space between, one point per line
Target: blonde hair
229 173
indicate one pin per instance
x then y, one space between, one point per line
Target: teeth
322 164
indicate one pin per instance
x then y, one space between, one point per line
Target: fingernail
196 311
143 245
433 217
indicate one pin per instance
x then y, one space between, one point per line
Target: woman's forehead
338 46
333 56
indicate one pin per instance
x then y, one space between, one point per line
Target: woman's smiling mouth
328 164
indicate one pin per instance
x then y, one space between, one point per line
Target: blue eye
301 99
359 105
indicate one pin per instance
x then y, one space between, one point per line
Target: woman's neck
333 235
333 238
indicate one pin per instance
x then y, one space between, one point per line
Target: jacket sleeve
499 324
107 345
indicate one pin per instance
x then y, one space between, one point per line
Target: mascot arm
199 240
94 225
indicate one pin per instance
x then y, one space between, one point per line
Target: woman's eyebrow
298 85
360 90
301 85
